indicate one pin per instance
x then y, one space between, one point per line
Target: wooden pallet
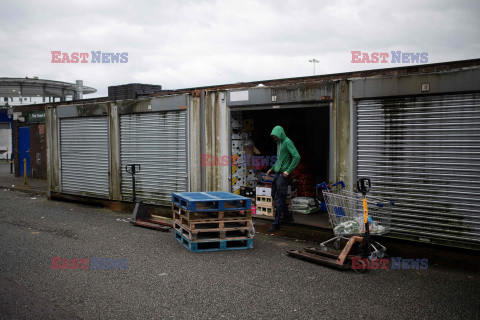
210 201
214 223
213 234
214 245
181 213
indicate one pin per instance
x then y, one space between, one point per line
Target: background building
22 118
23 91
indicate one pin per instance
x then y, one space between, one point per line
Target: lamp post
313 61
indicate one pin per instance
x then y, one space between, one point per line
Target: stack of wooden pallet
212 221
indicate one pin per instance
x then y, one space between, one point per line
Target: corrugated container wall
418 139
89 147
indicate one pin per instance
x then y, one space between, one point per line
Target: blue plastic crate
214 245
211 201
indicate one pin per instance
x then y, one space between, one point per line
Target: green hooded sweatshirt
287 155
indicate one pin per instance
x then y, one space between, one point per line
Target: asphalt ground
8 180
165 280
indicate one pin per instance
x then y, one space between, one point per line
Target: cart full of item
354 222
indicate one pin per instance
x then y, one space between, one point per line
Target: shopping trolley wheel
363 267
336 244
323 248
381 253
373 256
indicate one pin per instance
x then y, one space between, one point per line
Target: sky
185 43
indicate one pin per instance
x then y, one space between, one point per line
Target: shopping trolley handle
325 186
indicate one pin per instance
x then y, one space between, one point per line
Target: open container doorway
254 150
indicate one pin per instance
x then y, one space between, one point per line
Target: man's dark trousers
279 195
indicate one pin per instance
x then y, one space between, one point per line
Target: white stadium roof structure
34 87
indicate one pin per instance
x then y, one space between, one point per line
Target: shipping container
415 131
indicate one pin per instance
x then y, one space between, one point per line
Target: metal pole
131 168
79 90
313 61
25 171
133 186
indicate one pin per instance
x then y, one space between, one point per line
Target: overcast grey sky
183 43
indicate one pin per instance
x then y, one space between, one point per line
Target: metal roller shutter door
424 153
84 156
157 141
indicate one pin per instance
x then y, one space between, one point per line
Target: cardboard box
269 202
251 184
265 211
236 134
263 191
237 146
267 179
267 191
251 175
236 190
265 201
237 183
236 125
239 158
239 170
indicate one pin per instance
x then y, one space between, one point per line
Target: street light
314 61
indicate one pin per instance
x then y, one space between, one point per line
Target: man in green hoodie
287 159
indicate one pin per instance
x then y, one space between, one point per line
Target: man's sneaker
273 229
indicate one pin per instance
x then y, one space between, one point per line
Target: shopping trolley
347 216
353 220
